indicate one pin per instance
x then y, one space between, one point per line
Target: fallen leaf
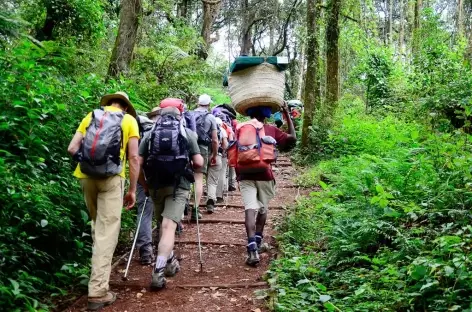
256 310
139 295
143 290
190 299
216 277
213 288
233 299
217 295
230 266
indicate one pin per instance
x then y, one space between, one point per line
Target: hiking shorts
257 194
166 206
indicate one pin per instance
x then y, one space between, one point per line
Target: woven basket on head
261 85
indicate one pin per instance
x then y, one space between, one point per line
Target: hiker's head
119 100
204 101
259 112
154 113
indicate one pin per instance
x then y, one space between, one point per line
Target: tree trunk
183 9
312 85
122 54
210 12
416 26
460 18
390 22
332 56
301 74
401 35
245 38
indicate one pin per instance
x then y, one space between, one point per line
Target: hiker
144 239
257 189
208 145
103 141
168 156
223 151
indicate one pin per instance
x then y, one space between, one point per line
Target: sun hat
105 101
204 100
155 111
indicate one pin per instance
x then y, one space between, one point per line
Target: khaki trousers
212 178
222 181
104 200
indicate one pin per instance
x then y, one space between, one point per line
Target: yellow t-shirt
130 129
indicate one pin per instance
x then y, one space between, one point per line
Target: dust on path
224 255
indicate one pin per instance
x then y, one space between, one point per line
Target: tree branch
287 21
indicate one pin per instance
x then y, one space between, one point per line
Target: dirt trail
226 283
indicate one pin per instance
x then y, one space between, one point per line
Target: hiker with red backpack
252 154
105 139
208 143
168 156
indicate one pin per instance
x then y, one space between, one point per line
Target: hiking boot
158 279
252 258
263 247
97 303
210 206
219 200
194 216
146 260
231 189
172 267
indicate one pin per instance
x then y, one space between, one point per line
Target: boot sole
96 306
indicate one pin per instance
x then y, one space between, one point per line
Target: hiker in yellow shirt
103 142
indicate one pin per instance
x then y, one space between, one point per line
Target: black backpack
168 157
204 137
103 140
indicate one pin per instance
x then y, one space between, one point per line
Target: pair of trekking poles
125 276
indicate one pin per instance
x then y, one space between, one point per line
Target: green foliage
388 228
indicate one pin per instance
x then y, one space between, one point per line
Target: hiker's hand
285 107
129 200
213 161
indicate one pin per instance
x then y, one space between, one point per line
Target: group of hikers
167 151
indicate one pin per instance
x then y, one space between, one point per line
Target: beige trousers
213 176
222 181
104 200
257 194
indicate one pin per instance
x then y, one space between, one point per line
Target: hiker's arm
142 178
292 135
133 158
197 161
75 143
214 143
224 143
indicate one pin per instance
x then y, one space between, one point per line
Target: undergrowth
390 229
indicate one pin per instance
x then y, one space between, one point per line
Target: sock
259 237
251 243
161 262
170 256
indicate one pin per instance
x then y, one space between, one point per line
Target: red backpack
253 151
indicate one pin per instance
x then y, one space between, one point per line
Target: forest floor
226 283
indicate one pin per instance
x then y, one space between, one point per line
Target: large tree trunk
301 74
245 38
312 84
390 22
183 9
332 56
460 18
401 35
122 54
210 12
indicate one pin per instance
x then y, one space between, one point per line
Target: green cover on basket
243 62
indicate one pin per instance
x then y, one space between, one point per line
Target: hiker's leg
199 174
265 192
90 190
144 240
212 179
158 199
232 178
251 205
172 215
107 229
222 178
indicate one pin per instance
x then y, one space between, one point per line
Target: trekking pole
198 228
125 277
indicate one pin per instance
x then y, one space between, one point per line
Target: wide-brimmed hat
154 112
119 96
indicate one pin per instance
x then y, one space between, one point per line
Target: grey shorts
165 206
257 194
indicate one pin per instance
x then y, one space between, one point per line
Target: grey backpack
101 145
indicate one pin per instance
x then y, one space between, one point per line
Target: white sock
161 262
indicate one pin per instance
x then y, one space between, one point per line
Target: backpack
190 122
252 151
168 158
103 140
204 137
